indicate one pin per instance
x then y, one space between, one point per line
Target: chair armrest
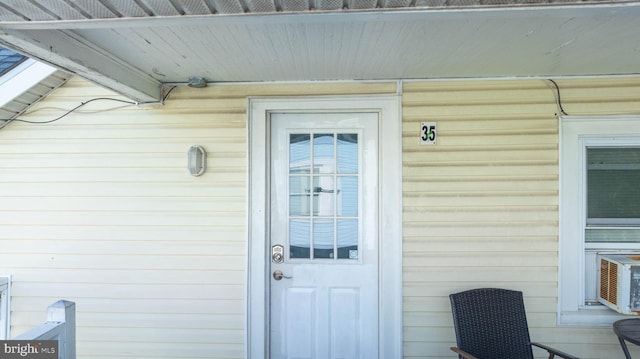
462 353
554 352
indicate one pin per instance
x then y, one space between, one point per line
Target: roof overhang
136 56
24 85
22 78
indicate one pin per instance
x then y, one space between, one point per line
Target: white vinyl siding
481 206
100 209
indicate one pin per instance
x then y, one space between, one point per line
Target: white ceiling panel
64 11
160 7
261 6
246 40
126 8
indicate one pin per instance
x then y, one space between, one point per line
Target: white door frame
390 216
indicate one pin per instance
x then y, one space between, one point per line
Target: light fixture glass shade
197 160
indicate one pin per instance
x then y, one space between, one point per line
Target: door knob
278 275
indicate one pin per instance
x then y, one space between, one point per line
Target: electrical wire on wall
82 104
558 99
166 96
564 113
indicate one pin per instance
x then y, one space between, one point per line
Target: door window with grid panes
323 195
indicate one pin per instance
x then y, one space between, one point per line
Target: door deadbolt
277 254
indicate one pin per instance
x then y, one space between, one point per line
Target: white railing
60 326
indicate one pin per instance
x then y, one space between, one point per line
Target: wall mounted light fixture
197 160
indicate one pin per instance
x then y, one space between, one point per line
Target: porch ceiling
134 47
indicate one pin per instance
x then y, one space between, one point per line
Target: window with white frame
4 307
599 208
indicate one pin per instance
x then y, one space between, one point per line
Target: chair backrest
491 323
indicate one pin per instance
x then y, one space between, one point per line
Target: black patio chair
491 323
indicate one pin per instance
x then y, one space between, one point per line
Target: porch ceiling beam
68 51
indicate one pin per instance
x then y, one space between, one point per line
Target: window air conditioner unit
619 282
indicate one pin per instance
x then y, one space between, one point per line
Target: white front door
323 235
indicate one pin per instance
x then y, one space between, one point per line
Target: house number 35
428 133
